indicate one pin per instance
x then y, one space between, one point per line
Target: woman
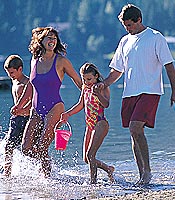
48 67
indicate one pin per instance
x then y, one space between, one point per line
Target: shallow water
73 182
70 175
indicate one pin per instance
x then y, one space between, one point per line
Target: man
140 56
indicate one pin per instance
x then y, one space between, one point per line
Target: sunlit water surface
70 175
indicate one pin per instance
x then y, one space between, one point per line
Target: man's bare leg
140 151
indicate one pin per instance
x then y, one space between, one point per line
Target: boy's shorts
140 108
16 128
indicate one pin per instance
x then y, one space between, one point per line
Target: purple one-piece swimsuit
46 89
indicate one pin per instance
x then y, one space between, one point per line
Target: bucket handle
67 123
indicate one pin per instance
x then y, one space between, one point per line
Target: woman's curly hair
36 47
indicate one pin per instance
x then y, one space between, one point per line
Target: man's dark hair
130 12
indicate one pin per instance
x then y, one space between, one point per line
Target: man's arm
113 76
171 75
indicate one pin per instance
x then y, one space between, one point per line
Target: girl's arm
75 109
103 95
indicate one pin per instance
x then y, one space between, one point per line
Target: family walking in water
139 56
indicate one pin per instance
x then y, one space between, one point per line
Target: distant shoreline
5 83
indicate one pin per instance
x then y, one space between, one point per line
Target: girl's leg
48 136
96 140
87 138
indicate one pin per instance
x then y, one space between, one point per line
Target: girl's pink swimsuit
46 88
93 109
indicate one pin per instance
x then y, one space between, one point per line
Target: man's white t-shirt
141 58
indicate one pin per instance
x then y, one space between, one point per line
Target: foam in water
72 181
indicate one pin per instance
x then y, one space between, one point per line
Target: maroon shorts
140 108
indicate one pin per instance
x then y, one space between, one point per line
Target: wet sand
148 195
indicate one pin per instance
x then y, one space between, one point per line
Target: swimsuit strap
55 59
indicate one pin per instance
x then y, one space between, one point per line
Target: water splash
70 178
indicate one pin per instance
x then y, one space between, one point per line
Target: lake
70 175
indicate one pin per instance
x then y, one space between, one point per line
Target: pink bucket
62 136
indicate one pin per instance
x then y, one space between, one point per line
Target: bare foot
93 182
145 179
110 174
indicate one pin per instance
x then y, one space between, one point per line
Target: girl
93 101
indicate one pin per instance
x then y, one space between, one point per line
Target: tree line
91 29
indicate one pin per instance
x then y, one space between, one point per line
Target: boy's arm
26 96
22 111
23 105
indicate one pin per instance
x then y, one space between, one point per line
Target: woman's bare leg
31 134
48 136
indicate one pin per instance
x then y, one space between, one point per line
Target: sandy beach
148 195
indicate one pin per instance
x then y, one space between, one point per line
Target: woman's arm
25 111
65 66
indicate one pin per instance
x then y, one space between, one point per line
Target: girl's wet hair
36 47
91 68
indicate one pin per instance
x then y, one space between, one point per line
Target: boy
22 94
